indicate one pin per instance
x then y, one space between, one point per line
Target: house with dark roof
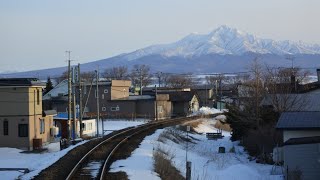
184 102
115 101
299 124
301 147
205 94
293 102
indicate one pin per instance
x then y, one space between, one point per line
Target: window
95 94
23 130
105 91
160 109
42 126
84 89
104 108
89 126
38 97
115 108
5 128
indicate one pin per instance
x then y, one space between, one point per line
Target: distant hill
223 50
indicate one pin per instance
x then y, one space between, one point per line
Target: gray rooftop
294 102
20 82
299 120
303 140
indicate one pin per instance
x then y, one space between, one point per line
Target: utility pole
69 94
206 101
159 75
188 163
80 101
140 71
97 94
293 78
74 129
156 104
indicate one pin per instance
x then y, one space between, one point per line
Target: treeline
141 75
254 124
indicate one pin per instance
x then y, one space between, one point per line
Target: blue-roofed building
61 121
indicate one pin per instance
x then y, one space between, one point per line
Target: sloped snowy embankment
207 164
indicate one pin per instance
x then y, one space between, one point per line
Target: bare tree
88 76
63 76
282 88
180 81
119 73
253 90
164 77
140 76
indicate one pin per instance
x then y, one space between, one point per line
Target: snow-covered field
207 163
13 158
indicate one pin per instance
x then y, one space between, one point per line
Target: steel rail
141 128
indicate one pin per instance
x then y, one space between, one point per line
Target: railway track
95 164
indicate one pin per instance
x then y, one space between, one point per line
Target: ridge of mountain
224 40
225 49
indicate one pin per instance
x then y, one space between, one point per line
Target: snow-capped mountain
223 50
224 41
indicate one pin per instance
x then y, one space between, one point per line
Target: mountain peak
225 40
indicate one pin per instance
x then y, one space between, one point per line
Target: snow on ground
206 111
36 162
140 164
13 158
116 124
207 163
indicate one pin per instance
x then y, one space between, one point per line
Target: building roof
299 120
136 97
165 89
60 89
63 116
181 96
294 102
49 113
20 82
303 140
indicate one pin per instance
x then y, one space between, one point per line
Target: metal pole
74 107
97 94
159 78
80 101
188 164
69 95
206 95
140 81
34 113
156 104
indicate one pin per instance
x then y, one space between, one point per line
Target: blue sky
35 34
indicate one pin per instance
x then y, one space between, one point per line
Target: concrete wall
20 101
164 109
288 134
305 157
22 105
13 139
146 109
119 92
179 108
